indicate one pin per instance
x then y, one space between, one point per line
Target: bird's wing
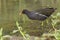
46 11
40 16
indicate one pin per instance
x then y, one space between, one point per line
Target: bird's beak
20 14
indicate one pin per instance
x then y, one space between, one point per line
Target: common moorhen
40 14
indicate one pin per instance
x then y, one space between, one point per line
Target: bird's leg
47 21
42 23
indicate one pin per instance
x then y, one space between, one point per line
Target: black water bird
40 14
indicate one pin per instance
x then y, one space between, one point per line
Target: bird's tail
55 8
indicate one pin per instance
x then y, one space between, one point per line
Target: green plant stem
20 30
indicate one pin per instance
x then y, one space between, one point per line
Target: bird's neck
27 12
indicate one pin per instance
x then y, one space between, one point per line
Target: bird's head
25 11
